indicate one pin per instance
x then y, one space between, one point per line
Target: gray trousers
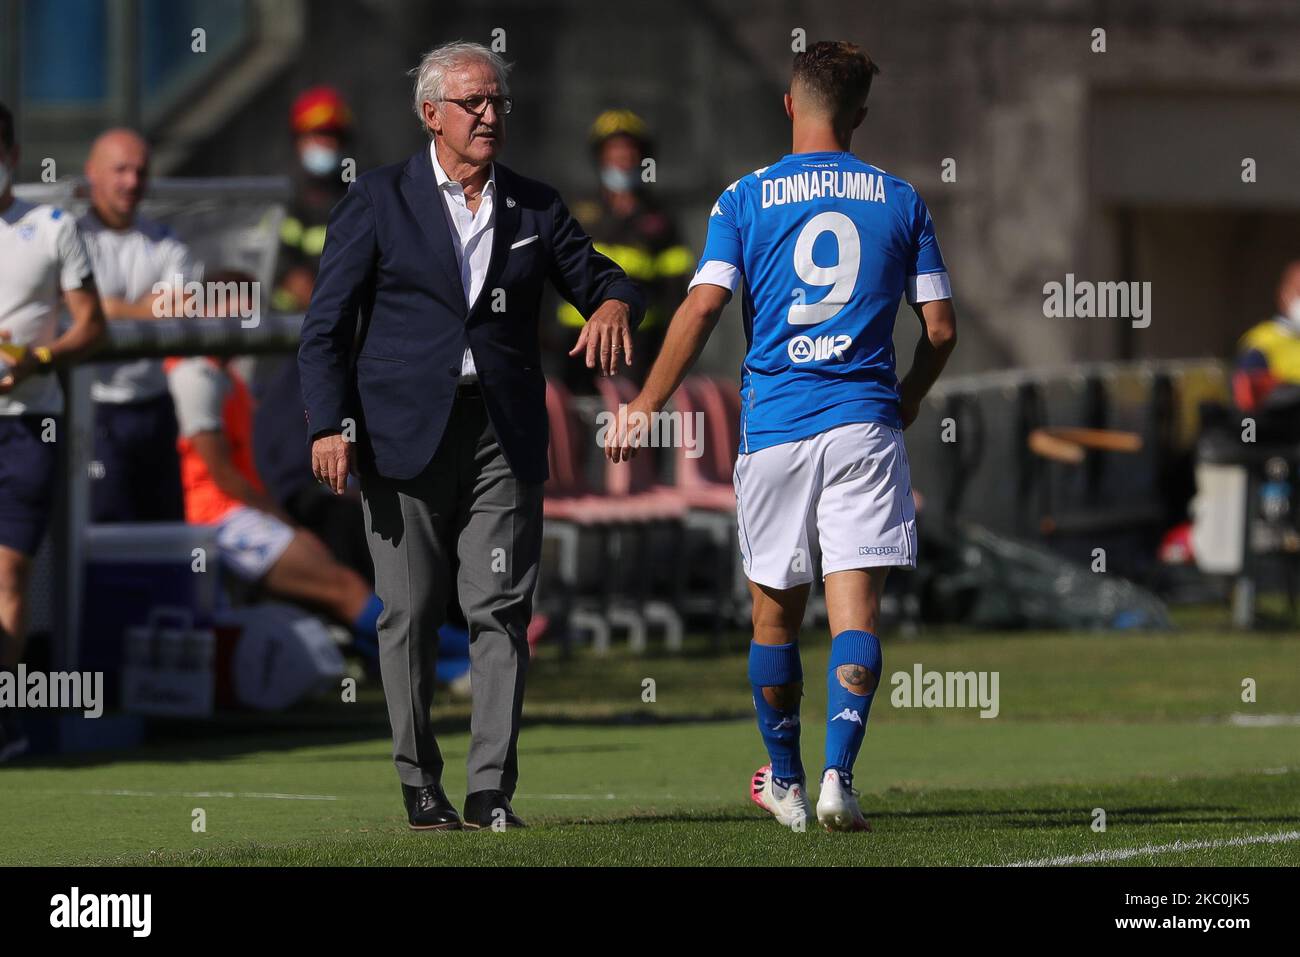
466 504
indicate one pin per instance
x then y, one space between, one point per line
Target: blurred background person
1268 355
42 260
258 541
137 478
283 461
630 227
322 126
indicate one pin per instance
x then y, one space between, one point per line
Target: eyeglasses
477 105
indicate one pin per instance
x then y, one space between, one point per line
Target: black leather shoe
428 809
484 809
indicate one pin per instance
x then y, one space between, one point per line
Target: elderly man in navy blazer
421 372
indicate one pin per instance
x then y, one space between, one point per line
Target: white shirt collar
446 182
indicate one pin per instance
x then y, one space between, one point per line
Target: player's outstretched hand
630 432
606 336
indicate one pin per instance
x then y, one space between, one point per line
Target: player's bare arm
82 337
938 339
142 308
690 329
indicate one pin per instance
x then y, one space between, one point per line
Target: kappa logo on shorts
879 550
848 714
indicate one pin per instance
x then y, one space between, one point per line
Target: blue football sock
846 712
453 653
453 641
365 629
769 666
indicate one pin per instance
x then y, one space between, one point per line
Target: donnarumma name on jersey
819 184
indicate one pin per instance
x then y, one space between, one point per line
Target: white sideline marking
1281 837
1264 720
123 792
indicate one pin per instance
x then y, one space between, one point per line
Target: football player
827 245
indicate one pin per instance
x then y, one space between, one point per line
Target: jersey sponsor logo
806 349
848 714
803 187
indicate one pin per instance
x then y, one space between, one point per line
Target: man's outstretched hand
331 461
606 336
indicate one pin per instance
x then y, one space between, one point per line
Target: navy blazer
388 324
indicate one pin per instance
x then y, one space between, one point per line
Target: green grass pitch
1150 728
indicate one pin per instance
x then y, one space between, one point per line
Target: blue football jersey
826 245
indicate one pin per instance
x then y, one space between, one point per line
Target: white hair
431 74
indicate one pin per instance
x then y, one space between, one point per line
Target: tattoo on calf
856 678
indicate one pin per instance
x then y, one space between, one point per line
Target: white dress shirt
471 235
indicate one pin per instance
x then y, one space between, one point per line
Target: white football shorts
845 495
251 542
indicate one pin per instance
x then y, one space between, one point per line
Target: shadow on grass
1018 818
237 735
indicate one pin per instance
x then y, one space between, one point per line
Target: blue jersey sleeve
721 263
927 276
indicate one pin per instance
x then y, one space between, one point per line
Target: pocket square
525 242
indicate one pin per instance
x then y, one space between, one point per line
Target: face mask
319 160
617 180
1293 313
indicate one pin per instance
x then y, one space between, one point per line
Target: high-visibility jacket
646 247
1278 344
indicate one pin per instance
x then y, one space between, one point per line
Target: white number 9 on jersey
841 277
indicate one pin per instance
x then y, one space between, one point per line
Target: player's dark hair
6 127
836 74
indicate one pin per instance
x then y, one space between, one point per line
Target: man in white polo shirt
137 478
42 260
